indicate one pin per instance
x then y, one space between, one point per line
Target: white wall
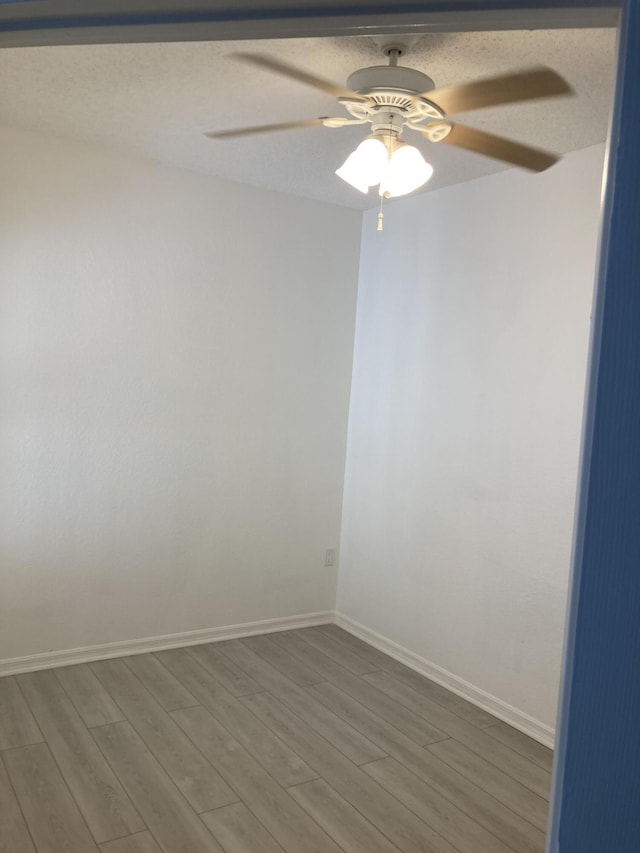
175 358
464 428
175 355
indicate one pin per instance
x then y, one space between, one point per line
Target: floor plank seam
497 767
387 793
73 799
544 765
487 793
67 694
148 746
266 829
455 805
284 701
449 710
493 796
231 735
119 776
81 811
17 799
227 779
277 698
131 794
15 681
407 704
318 824
356 809
257 760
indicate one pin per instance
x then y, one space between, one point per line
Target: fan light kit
397 167
393 99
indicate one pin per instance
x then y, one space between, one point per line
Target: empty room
295 342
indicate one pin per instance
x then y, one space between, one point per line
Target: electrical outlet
329 556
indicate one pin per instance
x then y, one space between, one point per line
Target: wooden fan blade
298 74
500 148
493 91
263 128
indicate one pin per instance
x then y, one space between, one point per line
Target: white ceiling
156 100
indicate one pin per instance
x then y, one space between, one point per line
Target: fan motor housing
385 78
390 89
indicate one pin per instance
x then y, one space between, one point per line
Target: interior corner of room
207 384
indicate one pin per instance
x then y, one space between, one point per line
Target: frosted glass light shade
398 174
406 171
364 166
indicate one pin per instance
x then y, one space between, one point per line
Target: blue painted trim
304 12
596 801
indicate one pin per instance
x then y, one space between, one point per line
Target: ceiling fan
393 99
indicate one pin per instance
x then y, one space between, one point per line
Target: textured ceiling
156 100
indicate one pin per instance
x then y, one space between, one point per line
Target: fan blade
499 148
298 74
506 89
263 128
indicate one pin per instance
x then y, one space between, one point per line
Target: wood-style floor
306 741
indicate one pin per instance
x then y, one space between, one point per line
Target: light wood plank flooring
305 741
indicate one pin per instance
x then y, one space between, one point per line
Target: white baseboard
66 657
518 719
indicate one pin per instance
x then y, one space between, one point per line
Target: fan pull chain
380 215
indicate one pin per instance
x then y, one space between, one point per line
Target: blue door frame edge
596 795
596 798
